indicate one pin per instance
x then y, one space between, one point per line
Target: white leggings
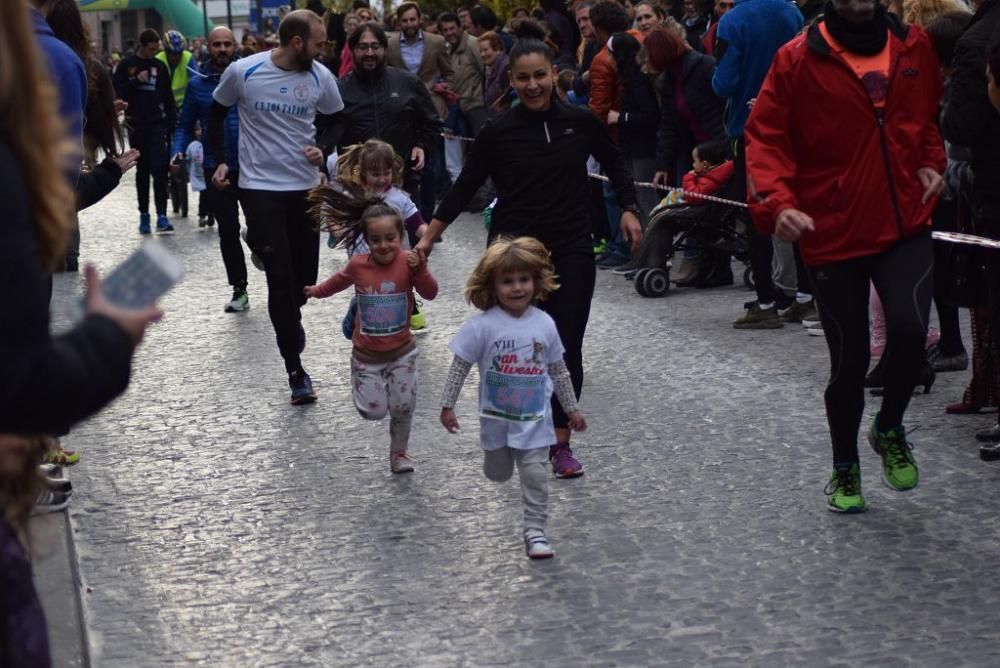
532 469
387 387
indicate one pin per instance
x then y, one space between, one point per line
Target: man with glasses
383 102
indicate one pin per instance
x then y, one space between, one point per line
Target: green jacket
180 75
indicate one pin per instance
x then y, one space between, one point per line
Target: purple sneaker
564 464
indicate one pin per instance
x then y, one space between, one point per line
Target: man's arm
166 93
728 65
602 88
185 124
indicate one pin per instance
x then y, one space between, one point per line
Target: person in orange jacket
844 157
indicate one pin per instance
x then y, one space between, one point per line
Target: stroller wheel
748 279
655 282
640 285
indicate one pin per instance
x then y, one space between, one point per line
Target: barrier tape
951 237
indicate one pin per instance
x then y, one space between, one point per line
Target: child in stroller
687 222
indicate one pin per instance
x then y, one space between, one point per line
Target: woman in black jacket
690 112
536 154
638 119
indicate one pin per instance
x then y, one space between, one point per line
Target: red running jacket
815 142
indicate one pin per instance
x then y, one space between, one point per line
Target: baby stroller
715 230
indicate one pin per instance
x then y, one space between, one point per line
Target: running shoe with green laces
418 320
600 247
843 492
899 468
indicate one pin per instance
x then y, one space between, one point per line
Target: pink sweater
385 300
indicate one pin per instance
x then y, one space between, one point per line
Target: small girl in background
520 358
384 359
376 166
195 154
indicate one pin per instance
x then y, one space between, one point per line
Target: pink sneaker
564 464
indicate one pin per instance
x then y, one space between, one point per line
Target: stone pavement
217 525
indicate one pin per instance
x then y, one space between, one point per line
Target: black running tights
569 306
903 278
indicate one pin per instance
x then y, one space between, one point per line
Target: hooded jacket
197 103
817 143
748 36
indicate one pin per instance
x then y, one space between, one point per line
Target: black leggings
903 278
283 235
569 306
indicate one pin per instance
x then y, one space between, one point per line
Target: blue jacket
748 37
68 74
197 102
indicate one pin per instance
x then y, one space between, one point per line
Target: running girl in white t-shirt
376 166
384 359
520 360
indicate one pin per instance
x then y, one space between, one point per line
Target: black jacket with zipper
396 108
538 162
48 383
707 110
639 118
969 119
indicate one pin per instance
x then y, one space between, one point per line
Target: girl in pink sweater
384 359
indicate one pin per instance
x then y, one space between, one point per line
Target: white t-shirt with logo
277 108
513 355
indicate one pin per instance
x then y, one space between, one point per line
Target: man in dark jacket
144 83
970 120
383 102
223 202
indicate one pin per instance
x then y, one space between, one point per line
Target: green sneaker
418 321
899 468
843 492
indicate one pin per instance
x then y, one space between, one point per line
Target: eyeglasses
366 48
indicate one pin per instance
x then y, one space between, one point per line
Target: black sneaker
62 485
302 388
48 501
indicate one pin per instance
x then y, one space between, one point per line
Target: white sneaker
400 462
536 545
810 321
49 501
816 330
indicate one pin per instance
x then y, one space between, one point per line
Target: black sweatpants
569 306
153 162
761 247
224 206
903 278
285 238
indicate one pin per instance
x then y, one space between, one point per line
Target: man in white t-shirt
278 94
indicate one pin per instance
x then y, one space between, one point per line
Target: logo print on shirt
393 94
301 92
283 90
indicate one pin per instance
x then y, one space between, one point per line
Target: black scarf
864 39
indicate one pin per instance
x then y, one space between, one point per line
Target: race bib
514 398
383 315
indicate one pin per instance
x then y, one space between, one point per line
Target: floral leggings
387 387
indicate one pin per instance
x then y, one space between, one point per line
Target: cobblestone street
218 525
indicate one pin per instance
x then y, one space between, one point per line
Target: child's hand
577 422
309 290
414 260
449 420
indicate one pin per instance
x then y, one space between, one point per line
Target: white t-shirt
196 170
277 108
401 202
513 355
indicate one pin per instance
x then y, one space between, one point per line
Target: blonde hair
373 155
922 12
30 123
505 256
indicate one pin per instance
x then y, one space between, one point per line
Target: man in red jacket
844 156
